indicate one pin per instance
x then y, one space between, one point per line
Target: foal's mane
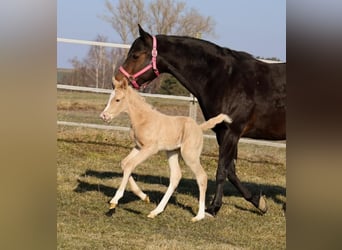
137 100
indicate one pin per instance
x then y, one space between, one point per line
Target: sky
257 27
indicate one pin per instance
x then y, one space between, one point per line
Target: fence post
193 108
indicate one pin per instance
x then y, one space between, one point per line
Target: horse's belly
267 126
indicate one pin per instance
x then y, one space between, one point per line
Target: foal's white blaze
104 114
112 95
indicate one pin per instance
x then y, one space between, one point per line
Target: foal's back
170 132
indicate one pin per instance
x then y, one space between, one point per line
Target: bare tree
96 62
193 24
125 17
165 15
161 17
97 68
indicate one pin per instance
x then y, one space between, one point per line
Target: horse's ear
144 35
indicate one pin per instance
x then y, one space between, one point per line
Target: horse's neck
138 109
184 67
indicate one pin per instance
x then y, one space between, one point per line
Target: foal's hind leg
191 156
175 176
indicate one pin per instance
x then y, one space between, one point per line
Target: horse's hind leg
226 169
257 200
175 176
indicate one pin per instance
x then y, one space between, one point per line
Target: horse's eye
117 100
135 56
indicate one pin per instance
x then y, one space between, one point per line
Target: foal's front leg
128 167
134 186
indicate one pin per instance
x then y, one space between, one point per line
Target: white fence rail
126 129
184 98
85 42
108 91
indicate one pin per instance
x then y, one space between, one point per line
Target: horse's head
117 102
140 64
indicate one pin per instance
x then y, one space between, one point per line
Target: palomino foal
153 131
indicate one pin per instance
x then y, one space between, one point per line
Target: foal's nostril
103 116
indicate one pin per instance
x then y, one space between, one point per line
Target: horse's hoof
110 212
112 205
147 199
262 205
212 210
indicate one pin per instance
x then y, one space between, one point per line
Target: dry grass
88 173
86 107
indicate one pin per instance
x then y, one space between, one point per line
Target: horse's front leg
128 166
227 153
221 175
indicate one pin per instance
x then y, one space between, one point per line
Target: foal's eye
135 56
117 100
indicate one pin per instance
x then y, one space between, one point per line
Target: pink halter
153 65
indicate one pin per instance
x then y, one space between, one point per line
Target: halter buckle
154 52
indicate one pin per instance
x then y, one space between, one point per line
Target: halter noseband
152 64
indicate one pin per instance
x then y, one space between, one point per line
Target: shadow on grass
155 196
186 186
91 142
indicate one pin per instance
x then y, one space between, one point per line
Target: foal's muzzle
105 116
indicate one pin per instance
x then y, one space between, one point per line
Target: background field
88 173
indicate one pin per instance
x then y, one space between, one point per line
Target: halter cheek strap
153 64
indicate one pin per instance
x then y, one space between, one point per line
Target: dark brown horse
224 81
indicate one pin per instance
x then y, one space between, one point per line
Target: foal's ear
121 84
144 35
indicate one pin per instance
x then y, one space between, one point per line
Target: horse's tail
215 120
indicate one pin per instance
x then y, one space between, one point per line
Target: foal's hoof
262 205
151 216
112 205
197 218
147 199
209 215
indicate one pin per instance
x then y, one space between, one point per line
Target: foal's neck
138 109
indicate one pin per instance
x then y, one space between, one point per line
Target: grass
88 174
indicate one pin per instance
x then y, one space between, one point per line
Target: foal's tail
215 120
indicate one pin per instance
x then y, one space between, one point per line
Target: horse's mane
241 55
